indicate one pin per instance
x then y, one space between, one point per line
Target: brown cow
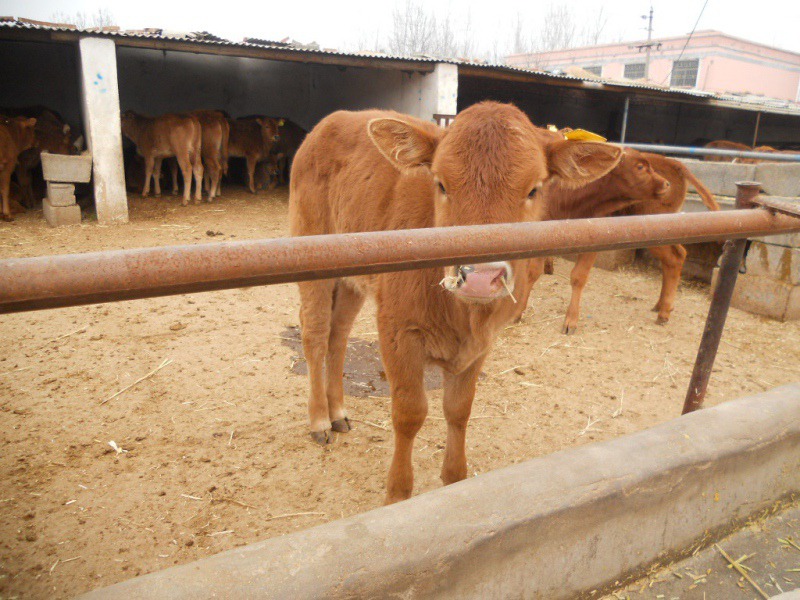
157 138
53 135
16 136
290 136
671 257
215 132
727 145
633 180
252 138
380 170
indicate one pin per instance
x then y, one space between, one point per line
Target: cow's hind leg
5 192
197 169
347 302
672 259
185 164
459 392
578 279
316 303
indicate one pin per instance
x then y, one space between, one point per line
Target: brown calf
252 138
157 138
52 135
671 257
380 170
16 136
727 145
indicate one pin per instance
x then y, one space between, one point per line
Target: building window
684 73
634 71
596 70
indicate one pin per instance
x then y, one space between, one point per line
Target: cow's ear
404 144
577 163
29 123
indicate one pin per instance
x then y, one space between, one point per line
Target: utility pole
648 45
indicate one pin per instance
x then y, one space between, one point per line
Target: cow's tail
702 190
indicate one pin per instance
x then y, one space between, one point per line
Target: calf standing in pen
215 132
252 138
380 170
157 138
648 200
16 136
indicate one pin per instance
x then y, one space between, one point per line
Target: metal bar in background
732 254
692 151
755 133
625 120
77 279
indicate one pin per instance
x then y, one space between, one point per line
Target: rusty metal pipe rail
77 279
693 151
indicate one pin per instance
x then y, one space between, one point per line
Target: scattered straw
589 427
297 514
789 542
166 362
508 289
370 423
742 571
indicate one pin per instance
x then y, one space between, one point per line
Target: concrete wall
556 527
155 82
33 73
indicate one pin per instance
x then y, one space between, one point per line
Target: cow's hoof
158 195
184 203
323 438
341 425
569 329
657 307
662 320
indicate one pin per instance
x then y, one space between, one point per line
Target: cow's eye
640 166
533 192
441 189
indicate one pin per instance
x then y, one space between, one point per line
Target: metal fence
69 280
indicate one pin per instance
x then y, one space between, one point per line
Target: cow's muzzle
480 283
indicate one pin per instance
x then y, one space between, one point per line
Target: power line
687 41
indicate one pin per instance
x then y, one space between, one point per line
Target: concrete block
777 262
61 215
61 194
765 296
779 179
721 177
612 260
788 240
555 527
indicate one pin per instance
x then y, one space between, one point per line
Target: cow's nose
483 281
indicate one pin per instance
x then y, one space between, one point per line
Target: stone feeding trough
62 172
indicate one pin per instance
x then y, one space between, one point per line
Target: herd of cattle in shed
198 144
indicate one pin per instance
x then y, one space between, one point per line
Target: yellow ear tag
584 136
281 122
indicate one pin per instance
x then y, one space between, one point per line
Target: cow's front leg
459 392
403 357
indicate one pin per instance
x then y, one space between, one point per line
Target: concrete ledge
554 527
721 177
778 262
779 179
766 296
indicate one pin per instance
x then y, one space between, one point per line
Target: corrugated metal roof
211 41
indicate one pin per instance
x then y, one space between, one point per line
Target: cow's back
341 183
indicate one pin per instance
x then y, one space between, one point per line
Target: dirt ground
212 450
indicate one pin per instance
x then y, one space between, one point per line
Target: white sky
344 23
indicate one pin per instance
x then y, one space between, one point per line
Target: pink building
711 61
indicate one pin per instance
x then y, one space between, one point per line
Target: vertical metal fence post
746 192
